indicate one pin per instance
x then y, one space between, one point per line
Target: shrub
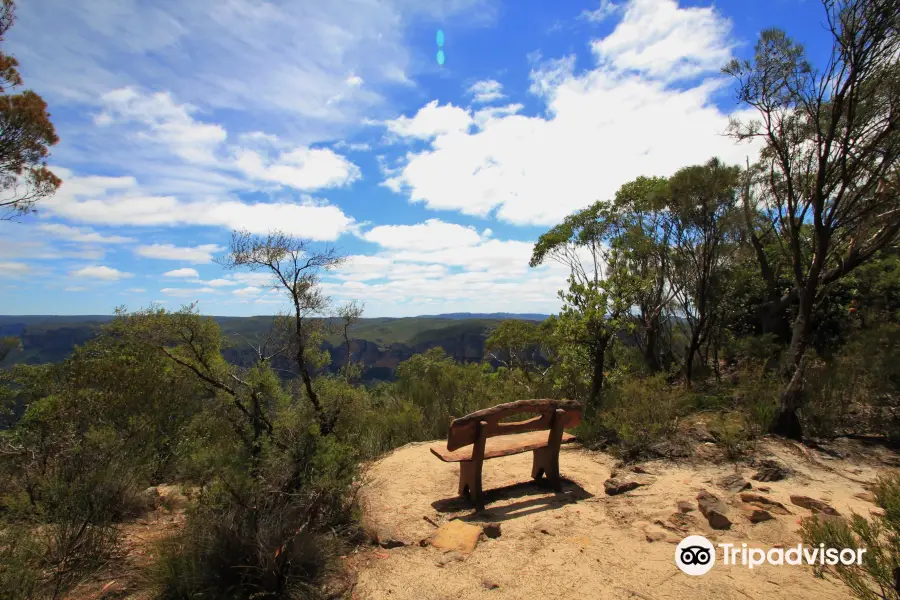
641 413
880 536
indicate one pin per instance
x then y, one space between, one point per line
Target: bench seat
496 447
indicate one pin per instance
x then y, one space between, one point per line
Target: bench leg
546 463
470 481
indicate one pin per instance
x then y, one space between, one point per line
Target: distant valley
379 343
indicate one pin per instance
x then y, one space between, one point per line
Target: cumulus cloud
431 121
192 254
182 273
486 90
121 201
187 292
82 235
14 269
433 234
100 272
300 168
623 118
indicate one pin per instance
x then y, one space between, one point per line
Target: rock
640 470
449 557
656 535
490 584
700 432
150 499
492 530
545 532
756 515
685 506
616 485
387 539
713 509
457 535
817 506
764 503
733 483
763 488
682 521
770 470
867 496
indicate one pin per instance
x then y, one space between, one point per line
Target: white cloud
301 168
606 9
219 283
136 290
354 81
661 39
182 273
187 292
252 279
82 235
602 128
100 272
166 122
247 291
235 55
432 120
121 201
433 234
14 269
75 288
196 254
486 90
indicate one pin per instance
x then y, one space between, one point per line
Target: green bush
639 412
880 536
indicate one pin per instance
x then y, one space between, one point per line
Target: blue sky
180 121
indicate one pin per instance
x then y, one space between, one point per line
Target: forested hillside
378 345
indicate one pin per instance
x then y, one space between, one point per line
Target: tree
703 202
830 158
601 290
646 236
26 134
295 267
348 315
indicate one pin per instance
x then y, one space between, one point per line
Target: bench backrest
464 431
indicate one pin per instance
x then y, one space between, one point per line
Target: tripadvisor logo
695 555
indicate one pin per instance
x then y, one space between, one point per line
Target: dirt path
582 543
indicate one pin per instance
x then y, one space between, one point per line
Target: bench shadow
536 497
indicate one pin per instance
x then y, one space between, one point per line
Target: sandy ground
582 543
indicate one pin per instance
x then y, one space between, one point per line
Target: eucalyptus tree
831 138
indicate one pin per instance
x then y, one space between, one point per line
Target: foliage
879 535
26 135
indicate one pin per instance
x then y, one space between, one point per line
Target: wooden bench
481 436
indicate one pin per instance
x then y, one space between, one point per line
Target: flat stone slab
457 535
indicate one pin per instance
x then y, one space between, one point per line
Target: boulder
760 501
620 485
490 584
685 506
150 499
457 535
867 496
817 506
714 510
756 515
733 483
770 470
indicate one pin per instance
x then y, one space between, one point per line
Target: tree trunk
597 376
651 345
786 422
690 352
